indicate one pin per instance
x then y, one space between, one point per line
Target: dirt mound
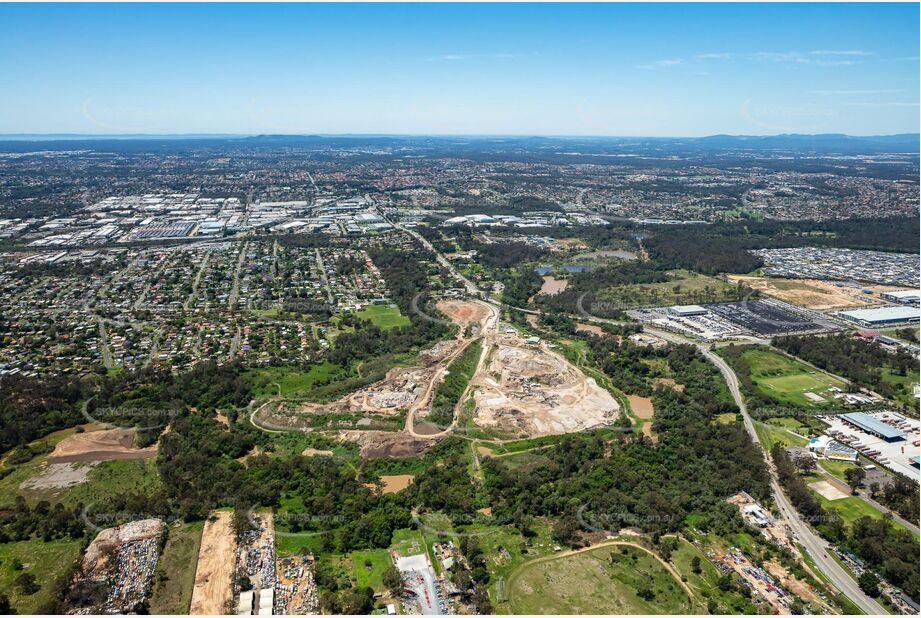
315 452
426 428
105 445
381 444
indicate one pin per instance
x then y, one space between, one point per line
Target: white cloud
662 64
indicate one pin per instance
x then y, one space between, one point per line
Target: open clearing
59 476
598 581
105 445
642 406
553 286
463 312
589 328
531 391
396 482
827 490
383 316
46 561
213 575
813 293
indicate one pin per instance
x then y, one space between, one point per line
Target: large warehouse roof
872 425
882 314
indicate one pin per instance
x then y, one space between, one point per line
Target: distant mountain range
826 143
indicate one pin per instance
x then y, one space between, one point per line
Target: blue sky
645 69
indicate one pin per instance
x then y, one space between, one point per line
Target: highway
814 544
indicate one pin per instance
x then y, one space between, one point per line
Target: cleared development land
814 293
104 445
214 573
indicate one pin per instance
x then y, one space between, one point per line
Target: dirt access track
533 391
104 445
213 587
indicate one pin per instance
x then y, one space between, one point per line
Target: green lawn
366 575
771 435
383 316
175 575
786 379
606 580
46 561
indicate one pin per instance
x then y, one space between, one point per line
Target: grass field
290 381
786 379
383 316
175 575
370 575
770 435
607 580
46 561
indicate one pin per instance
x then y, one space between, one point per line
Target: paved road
814 544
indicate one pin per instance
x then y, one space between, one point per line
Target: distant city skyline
651 70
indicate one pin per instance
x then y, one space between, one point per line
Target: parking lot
421 586
893 455
763 318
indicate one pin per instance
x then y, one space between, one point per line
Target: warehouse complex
873 426
882 316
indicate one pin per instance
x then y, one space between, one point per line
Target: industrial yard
118 567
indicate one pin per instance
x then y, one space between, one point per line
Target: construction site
212 592
526 389
118 567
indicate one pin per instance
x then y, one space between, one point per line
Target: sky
484 69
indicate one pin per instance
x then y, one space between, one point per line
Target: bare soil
105 445
589 328
396 482
814 293
642 406
534 391
59 476
553 286
380 444
213 578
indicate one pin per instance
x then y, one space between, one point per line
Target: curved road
817 547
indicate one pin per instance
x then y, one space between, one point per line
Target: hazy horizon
651 70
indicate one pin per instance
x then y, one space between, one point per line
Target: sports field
608 580
383 316
789 380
